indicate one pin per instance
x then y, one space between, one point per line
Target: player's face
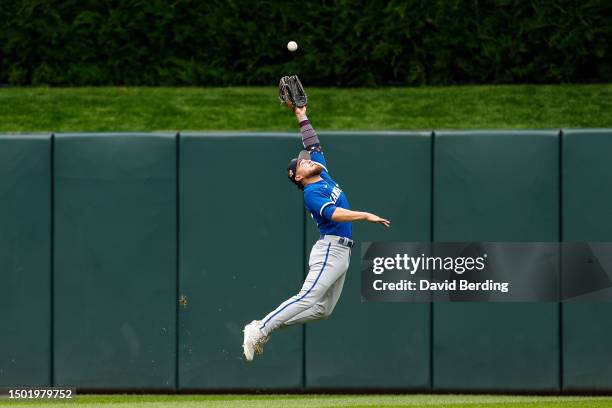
308 168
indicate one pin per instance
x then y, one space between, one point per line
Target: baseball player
330 255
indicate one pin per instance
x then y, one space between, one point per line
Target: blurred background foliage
342 43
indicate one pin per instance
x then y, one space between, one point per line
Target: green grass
460 107
312 401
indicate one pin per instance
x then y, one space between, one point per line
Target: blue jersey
323 197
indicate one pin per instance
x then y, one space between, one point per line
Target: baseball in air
292 46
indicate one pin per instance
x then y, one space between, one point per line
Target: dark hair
292 172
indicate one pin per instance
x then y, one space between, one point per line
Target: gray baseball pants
328 263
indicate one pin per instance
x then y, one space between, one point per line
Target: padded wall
115 261
241 243
104 251
587 216
25 260
496 186
375 345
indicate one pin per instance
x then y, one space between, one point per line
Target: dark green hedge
354 43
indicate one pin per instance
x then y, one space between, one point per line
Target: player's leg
336 290
334 295
322 309
328 262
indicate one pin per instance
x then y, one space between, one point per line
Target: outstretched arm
310 139
344 215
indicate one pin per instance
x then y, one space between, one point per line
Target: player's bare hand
378 220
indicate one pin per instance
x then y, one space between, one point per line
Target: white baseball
292 46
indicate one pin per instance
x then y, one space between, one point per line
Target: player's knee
327 312
320 312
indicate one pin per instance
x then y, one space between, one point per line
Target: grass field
460 107
312 401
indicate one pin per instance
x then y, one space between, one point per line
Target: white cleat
252 336
261 339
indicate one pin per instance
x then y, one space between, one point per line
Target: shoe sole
244 346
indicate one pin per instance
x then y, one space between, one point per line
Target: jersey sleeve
311 142
319 203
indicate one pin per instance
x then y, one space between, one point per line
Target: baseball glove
291 92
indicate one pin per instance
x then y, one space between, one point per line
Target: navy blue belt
347 242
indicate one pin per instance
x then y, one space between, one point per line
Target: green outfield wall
587 216
25 260
132 261
114 261
496 186
240 247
